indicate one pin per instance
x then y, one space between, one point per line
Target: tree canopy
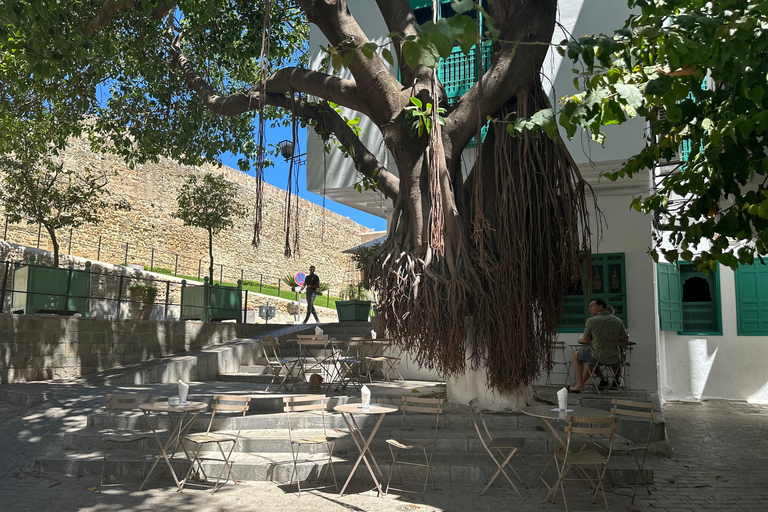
697 72
37 188
209 203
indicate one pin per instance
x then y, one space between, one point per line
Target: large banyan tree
477 260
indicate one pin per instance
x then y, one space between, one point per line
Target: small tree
208 203
40 190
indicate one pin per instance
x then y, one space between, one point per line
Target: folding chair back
587 455
635 410
506 447
559 358
123 402
412 404
303 404
224 404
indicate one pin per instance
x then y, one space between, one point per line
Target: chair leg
640 474
103 466
501 470
330 446
295 454
392 468
191 467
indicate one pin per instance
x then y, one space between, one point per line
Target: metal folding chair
397 446
636 411
279 365
610 372
587 456
123 402
221 404
308 403
349 365
388 363
506 447
559 349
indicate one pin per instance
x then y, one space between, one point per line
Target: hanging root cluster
497 301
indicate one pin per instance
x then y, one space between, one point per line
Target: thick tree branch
376 85
399 18
529 23
365 162
278 86
110 7
330 88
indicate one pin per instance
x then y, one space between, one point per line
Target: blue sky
278 177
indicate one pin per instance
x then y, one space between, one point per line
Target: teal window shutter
608 282
752 300
670 297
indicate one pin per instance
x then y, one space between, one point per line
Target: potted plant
142 298
357 307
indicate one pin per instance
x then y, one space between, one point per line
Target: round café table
179 429
547 413
348 412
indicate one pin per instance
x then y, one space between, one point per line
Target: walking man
311 282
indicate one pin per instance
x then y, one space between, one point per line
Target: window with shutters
458 73
689 300
752 299
608 283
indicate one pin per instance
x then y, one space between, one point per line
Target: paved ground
721 463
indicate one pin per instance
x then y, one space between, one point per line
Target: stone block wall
38 347
151 190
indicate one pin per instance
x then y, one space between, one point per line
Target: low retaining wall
39 347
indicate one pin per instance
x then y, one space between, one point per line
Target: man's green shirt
605 331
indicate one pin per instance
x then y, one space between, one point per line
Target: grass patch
264 289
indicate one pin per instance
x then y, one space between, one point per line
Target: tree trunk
210 255
55 243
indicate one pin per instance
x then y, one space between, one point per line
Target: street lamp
286 149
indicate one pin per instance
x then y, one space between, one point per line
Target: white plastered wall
695 367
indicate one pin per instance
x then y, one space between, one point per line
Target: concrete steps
263 451
264 466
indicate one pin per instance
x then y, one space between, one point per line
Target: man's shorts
585 356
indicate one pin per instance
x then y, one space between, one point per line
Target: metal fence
114 293
104 249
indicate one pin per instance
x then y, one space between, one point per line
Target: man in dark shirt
311 282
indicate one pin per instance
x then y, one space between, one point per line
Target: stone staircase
260 373
263 451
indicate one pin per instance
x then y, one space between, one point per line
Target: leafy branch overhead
696 71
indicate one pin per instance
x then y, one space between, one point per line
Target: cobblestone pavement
721 463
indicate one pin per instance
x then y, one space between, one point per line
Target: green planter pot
51 290
353 310
211 303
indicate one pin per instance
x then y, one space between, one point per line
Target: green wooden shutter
752 300
670 297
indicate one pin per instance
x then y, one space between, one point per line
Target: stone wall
37 347
151 189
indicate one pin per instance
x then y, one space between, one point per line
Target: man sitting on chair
604 334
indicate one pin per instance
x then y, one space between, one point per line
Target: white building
714 342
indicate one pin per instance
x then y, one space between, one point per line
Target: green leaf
659 86
631 94
462 6
387 56
411 53
368 49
